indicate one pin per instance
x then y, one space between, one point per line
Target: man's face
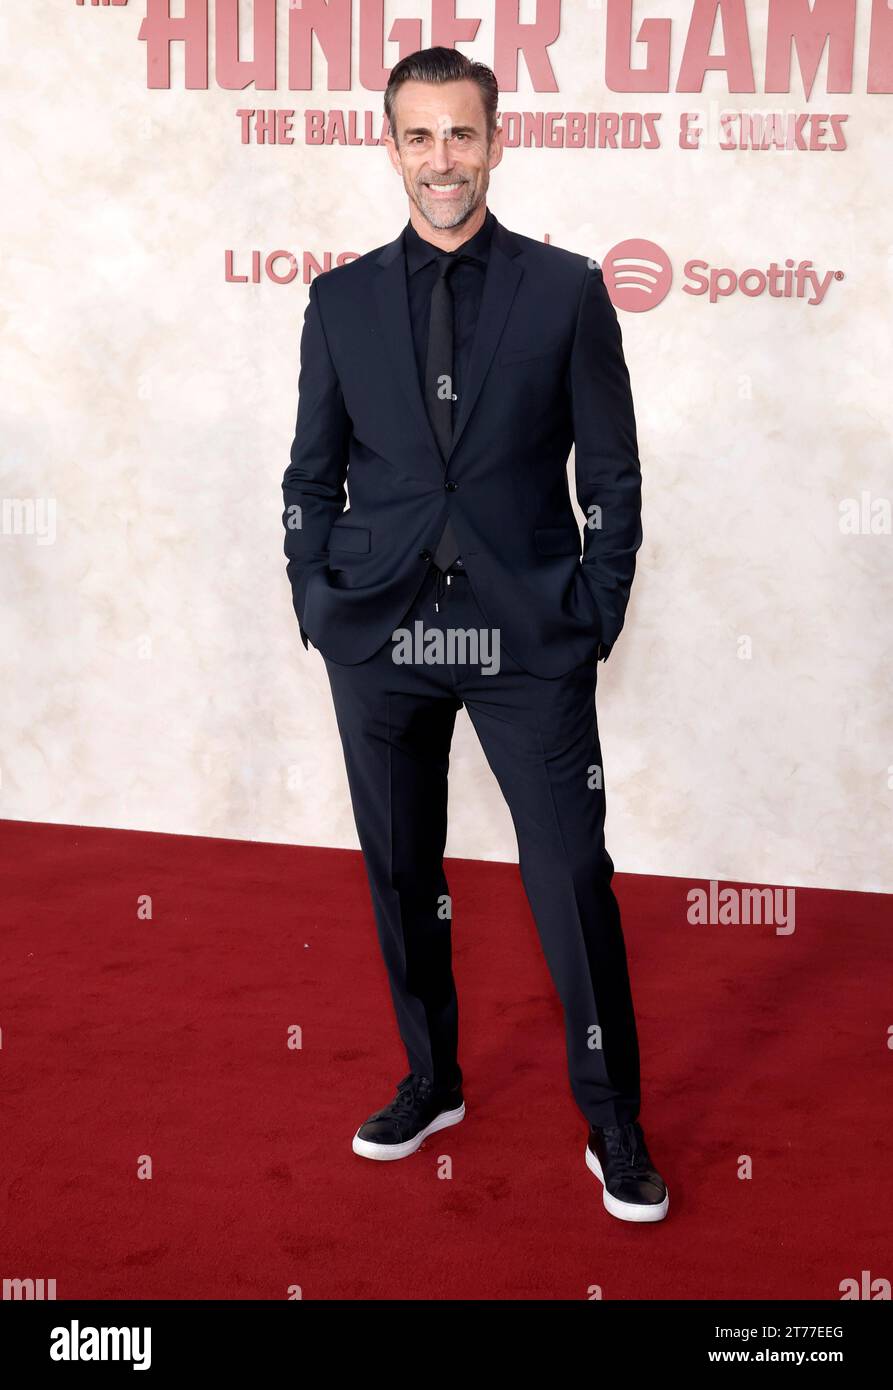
441 149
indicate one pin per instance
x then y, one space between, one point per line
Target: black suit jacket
547 371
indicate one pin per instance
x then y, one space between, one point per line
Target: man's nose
442 159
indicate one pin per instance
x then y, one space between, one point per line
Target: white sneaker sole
626 1211
386 1152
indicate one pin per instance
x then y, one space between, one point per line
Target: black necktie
439 386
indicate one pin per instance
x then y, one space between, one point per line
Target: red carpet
168 1038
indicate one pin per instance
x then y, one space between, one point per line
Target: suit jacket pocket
524 354
557 540
355 538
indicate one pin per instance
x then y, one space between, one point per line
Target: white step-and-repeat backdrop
174 174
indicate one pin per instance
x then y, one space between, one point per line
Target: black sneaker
633 1188
404 1125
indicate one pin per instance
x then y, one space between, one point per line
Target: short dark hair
442 65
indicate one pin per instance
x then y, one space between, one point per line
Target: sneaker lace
408 1093
629 1146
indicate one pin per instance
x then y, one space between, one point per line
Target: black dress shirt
467 285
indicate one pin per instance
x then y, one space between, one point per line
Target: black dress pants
540 737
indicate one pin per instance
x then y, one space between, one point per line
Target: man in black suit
444 378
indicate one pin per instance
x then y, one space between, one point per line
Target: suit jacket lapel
500 283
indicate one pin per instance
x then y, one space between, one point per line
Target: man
444 378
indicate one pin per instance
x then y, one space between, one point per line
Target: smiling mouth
443 189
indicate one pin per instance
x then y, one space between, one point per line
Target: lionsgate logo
453 646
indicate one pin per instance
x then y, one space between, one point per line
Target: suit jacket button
424 554
451 487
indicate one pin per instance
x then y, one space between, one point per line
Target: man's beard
449 215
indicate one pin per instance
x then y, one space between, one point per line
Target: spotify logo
638 276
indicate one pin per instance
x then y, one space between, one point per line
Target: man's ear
391 145
497 148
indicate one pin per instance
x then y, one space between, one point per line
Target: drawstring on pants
441 583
